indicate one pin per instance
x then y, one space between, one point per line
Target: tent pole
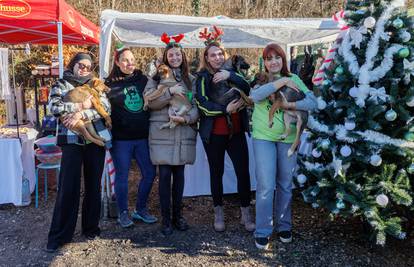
15 98
60 48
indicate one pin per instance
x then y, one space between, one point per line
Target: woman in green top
273 167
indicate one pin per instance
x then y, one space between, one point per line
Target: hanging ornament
403 52
369 22
324 144
340 204
326 82
390 115
339 70
410 168
375 160
382 200
349 125
315 205
345 151
409 136
410 102
321 103
316 153
405 36
353 91
398 23
301 178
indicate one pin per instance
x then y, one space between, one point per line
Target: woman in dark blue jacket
222 128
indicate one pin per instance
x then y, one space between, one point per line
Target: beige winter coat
175 146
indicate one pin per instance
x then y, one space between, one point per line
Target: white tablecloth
14 160
197 176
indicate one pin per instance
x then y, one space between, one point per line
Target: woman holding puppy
273 166
130 135
222 128
75 153
172 147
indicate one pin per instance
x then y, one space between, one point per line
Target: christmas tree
362 162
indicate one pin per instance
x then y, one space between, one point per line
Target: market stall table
16 159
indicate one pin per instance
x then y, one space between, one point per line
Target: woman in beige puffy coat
172 148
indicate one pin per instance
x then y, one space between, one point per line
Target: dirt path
317 242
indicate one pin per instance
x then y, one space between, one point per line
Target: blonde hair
204 65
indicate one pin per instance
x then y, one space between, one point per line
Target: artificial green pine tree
362 162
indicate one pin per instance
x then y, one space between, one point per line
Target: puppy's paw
270 124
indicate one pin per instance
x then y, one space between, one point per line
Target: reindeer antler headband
211 37
172 40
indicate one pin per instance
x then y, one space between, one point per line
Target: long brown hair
185 71
204 65
278 50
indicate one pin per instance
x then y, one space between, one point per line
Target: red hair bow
175 39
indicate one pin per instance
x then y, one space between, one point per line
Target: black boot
166 227
179 222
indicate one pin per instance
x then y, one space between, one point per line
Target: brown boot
246 219
219 219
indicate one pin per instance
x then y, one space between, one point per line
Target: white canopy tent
144 30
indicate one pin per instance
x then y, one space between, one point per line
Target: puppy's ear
234 59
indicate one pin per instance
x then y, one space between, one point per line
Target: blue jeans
273 169
122 152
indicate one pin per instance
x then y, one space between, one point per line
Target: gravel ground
317 241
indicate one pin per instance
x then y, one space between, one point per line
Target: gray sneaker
144 216
124 220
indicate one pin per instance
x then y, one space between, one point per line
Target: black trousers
236 147
165 191
65 213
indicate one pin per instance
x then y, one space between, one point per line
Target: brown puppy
278 100
80 94
179 106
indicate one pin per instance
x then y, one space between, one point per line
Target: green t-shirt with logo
260 119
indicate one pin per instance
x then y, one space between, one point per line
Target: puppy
223 93
281 96
80 94
179 106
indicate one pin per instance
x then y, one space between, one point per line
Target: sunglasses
84 67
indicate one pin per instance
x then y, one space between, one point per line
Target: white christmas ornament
405 36
301 178
369 22
391 115
375 160
410 103
353 91
325 144
321 103
345 151
349 125
382 200
316 153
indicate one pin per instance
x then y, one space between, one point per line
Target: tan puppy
80 94
179 106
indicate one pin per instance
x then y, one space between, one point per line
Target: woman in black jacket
130 126
222 128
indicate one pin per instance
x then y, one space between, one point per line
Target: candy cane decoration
320 76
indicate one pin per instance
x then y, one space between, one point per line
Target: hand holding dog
87 104
234 105
177 89
70 120
222 75
286 82
177 119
